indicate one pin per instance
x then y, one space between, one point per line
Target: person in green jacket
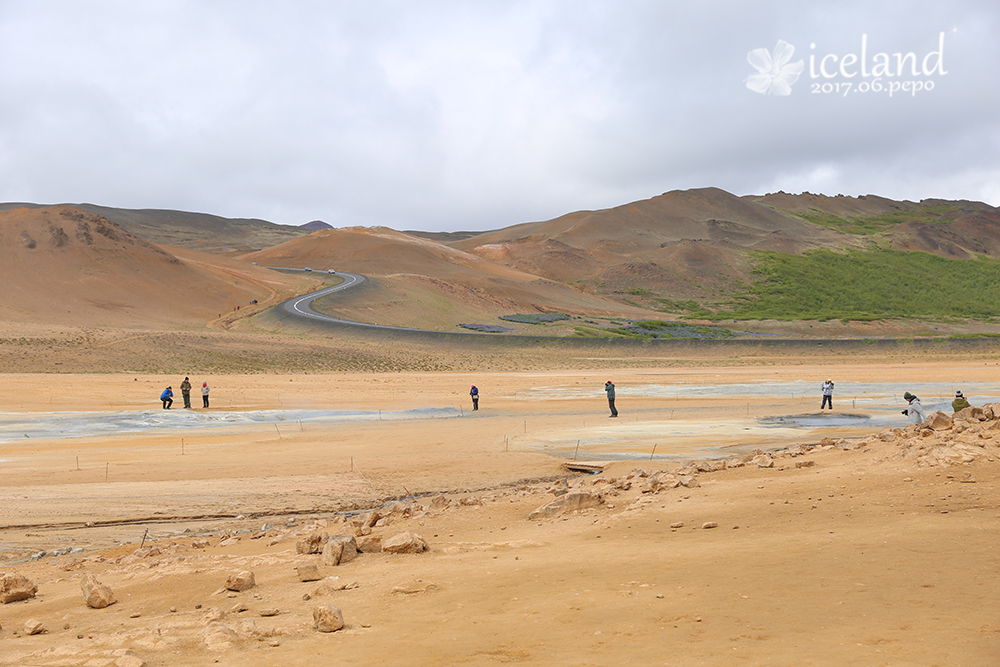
960 402
186 392
609 387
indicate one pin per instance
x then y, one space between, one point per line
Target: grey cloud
454 115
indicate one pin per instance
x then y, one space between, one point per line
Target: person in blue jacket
474 393
167 397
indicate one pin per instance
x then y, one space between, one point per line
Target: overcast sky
476 115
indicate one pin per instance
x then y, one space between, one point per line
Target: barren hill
201 231
68 266
420 282
686 244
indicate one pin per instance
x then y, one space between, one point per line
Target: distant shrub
535 318
486 328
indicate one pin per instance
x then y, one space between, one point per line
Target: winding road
301 306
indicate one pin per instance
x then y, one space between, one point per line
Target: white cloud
456 115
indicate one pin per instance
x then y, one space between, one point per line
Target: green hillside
857 285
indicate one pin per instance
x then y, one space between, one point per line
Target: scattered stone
763 461
350 547
313 544
410 543
328 618
677 524
239 608
34 627
689 481
571 502
219 637
308 572
369 544
199 544
804 464
270 611
332 585
710 524
96 594
240 582
939 421
130 661
414 588
14 587
135 614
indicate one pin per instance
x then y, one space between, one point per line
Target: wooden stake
651 453
107 469
577 450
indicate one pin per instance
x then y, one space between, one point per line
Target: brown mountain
65 265
682 244
422 283
201 231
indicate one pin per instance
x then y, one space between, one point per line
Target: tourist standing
827 395
914 409
186 392
204 394
609 387
474 393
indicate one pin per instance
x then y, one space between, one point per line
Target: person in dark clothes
960 402
186 392
474 393
167 397
609 387
827 395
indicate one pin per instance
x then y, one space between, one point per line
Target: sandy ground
862 558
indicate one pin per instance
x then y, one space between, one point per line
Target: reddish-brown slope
64 265
420 282
680 244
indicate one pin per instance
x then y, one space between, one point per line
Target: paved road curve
301 306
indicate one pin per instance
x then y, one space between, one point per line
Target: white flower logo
775 75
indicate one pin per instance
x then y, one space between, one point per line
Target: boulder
96 594
308 572
328 618
370 544
313 544
14 587
405 543
349 551
332 551
571 502
938 421
240 582
689 481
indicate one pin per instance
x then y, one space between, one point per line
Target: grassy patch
535 318
863 286
877 223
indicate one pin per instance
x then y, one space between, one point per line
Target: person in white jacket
914 410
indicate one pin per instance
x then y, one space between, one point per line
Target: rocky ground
877 550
